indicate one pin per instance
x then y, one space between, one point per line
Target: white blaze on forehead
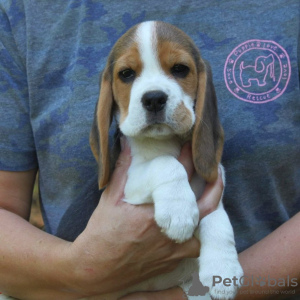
147 44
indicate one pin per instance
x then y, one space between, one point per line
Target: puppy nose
154 101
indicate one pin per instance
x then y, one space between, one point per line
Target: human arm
29 257
276 256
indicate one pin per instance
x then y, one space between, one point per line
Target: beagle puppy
159 92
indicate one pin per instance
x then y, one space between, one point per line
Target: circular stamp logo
257 71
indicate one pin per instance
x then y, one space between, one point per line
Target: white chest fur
155 175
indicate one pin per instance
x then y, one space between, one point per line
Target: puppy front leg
164 181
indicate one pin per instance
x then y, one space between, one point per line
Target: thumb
119 176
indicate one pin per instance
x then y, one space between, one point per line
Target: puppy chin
157 131
154 131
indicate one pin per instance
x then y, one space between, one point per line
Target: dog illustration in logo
264 66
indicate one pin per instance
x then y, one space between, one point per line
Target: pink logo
257 71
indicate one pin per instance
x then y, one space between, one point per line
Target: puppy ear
208 136
99 135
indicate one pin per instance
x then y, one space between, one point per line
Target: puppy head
156 85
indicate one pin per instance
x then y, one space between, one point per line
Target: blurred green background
35 215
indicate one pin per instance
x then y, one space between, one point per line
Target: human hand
173 293
122 245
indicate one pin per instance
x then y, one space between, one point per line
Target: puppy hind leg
218 257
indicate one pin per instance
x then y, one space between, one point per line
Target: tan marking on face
170 54
176 47
183 118
121 90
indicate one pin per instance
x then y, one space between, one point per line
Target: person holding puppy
51 55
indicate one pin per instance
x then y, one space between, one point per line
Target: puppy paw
222 276
177 218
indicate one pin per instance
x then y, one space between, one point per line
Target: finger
185 158
175 293
136 296
211 197
119 175
188 249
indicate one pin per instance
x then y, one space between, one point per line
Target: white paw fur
176 212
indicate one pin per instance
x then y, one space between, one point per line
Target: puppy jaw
152 56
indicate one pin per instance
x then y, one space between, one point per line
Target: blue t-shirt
51 55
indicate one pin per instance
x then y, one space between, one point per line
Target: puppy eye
127 75
180 70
